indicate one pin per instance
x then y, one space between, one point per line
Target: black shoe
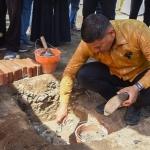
100 108
29 43
2 48
23 48
132 116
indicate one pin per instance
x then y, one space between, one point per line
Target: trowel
47 51
114 103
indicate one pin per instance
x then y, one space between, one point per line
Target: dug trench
27 118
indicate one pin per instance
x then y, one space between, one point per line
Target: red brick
16 70
3 78
8 73
22 65
30 65
27 69
39 67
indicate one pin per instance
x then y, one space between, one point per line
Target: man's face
104 45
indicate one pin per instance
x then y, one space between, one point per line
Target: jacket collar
120 39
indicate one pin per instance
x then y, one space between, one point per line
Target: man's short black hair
94 27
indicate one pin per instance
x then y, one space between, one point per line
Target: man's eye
99 47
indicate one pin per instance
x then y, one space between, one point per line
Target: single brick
39 67
30 65
27 69
8 73
3 78
22 65
16 70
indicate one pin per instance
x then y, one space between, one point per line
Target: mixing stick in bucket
47 51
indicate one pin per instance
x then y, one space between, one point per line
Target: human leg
132 116
3 10
64 24
36 21
89 7
134 9
147 13
13 33
108 8
98 9
73 12
25 18
96 77
30 22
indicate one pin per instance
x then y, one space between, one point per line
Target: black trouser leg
3 10
14 30
135 7
108 8
147 13
89 7
96 77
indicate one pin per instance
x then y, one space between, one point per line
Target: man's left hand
133 92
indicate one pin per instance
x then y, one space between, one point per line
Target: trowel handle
123 96
44 42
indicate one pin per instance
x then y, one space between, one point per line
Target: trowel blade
114 103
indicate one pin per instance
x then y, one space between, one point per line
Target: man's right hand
61 113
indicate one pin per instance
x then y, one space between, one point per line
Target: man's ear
111 32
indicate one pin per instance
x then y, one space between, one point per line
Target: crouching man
121 49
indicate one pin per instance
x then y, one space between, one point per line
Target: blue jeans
98 9
25 18
30 22
73 11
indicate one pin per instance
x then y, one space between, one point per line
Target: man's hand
133 92
61 113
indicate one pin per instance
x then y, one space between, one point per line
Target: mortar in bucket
90 131
48 63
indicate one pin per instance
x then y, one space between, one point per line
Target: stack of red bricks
13 70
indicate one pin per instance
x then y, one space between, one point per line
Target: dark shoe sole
100 108
132 116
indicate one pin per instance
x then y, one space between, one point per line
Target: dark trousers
51 20
108 8
135 7
11 38
96 76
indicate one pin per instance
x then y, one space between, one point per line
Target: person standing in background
73 13
51 20
108 8
25 18
135 7
11 38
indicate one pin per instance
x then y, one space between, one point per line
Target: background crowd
52 19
